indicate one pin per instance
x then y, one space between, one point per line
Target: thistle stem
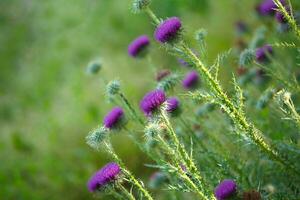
133 112
252 132
127 173
125 191
152 16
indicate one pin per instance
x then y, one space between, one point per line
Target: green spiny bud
139 5
168 83
152 129
94 66
113 87
247 57
200 36
96 137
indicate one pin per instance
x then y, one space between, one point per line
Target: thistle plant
199 138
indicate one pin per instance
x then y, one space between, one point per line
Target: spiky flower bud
105 176
113 87
94 66
168 83
152 129
96 137
247 57
200 36
139 5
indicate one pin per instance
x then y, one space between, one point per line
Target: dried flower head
162 74
251 195
152 101
105 176
263 52
191 80
113 87
94 66
138 46
168 30
139 5
113 118
225 189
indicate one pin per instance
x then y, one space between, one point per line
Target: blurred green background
48 103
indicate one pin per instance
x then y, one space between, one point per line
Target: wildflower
191 80
263 52
267 7
173 106
139 45
113 118
94 67
162 74
105 176
225 189
168 30
251 195
152 101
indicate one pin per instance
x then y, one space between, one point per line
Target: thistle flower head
94 66
113 118
96 137
113 87
225 189
267 7
168 83
191 80
152 101
246 57
172 104
152 129
263 52
137 46
105 176
139 5
168 30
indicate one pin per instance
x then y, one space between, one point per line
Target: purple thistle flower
191 80
152 101
267 7
104 176
262 53
173 104
113 117
225 189
138 45
167 30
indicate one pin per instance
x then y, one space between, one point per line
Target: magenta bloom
138 45
104 176
225 189
167 30
173 104
152 101
262 53
191 80
267 7
113 117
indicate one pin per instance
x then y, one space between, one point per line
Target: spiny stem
152 16
132 110
252 132
125 191
127 173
